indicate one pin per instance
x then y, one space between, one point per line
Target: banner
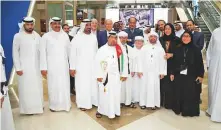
143 16
12 12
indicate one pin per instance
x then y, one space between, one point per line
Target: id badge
184 72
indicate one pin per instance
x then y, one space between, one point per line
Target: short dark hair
190 20
64 25
132 17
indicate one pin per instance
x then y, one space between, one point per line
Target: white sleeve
163 62
43 53
73 54
125 65
16 54
209 51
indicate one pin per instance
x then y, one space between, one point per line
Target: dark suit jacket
101 38
137 32
70 37
198 40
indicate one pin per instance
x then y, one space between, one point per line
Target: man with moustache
54 66
132 31
160 26
82 55
26 63
108 74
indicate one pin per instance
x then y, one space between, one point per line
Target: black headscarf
172 35
191 35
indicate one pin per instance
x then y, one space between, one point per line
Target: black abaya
186 92
166 86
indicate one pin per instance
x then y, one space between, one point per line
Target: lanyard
185 54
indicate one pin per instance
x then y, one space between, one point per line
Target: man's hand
172 77
123 79
168 56
72 73
161 76
132 74
99 79
200 79
19 73
44 73
2 100
139 74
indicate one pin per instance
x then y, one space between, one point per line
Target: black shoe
52 110
117 116
29 114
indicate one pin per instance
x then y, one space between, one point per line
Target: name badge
184 72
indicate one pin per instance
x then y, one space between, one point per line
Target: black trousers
72 84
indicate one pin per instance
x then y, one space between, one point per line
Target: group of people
114 68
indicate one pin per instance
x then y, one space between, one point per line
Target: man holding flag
108 74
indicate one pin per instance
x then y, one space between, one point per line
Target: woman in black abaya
187 73
169 42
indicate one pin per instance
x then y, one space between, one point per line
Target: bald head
94 24
108 24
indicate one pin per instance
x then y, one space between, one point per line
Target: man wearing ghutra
179 28
108 76
82 55
26 63
155 68
146 33
54 49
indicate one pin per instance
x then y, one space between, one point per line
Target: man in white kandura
137 70
54 56
83 50
6 122
179 28
214 77
108 77
155 68
126 86
26 62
